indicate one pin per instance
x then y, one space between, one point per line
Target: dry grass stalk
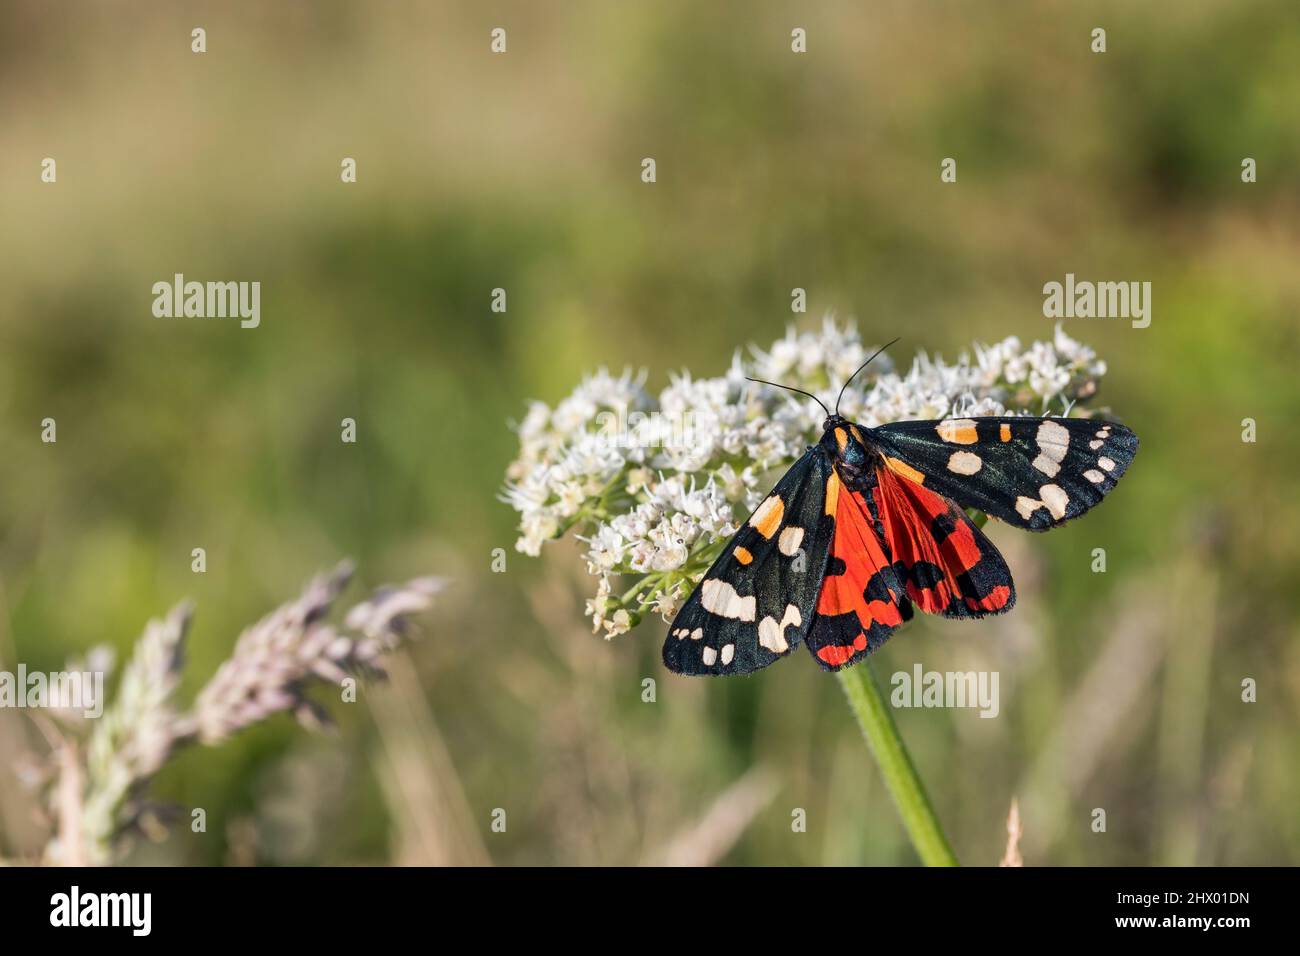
723 824
96 791
1012 855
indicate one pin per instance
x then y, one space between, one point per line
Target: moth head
844 441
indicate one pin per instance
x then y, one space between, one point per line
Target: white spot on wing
1055 498
1027 506
720 598
1093 475
1053 440
710 656
965 463
789 541
772 635
728 652
1046 466
1106 463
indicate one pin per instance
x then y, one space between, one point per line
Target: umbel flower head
655 485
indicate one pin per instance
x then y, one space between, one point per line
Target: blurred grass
521 171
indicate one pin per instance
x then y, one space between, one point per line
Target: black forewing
1034 473
744 615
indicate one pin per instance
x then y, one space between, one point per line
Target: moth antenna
855 374
792 389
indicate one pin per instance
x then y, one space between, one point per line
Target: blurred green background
775 170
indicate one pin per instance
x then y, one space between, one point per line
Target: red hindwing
861 599
947 564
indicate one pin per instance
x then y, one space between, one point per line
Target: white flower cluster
654 485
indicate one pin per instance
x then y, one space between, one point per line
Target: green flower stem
869 706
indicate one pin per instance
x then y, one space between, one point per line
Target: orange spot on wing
768 516
904 469
743 555
832 493
959 431
1004 432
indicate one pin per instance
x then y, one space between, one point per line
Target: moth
870 525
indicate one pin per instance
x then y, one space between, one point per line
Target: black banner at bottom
340 905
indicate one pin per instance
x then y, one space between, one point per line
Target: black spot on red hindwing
881 587
921 576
